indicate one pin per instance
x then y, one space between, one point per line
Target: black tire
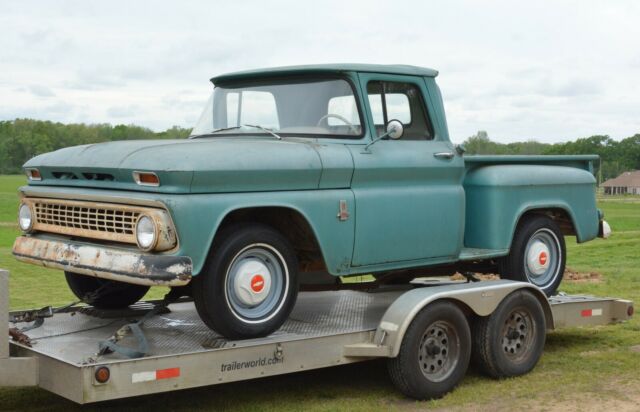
416 371
217 300
536 234
497 350
111 294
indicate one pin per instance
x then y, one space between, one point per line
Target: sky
546 70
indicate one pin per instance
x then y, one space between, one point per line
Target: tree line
615 156
22 139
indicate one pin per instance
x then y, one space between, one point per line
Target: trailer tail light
630 311
102 374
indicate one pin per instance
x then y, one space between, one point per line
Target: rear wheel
538 254
434 354
249 284
510 341
104 293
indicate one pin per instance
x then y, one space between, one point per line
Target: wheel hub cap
252 282
538 258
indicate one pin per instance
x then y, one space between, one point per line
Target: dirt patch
610 396
582 277
481 276
570 275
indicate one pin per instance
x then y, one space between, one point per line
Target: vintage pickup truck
300 176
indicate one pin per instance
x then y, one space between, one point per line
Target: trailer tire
249 284
538 254
509 342
110 293
434 354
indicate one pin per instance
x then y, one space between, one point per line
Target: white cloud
518 70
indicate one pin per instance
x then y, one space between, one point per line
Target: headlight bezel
24 206
154 239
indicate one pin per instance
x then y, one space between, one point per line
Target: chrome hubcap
252 281
256 284
542 258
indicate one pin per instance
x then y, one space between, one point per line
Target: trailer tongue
324 329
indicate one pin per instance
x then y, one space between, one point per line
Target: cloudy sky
550 71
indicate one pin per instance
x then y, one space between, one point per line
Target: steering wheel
337 116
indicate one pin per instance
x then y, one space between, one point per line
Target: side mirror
395 129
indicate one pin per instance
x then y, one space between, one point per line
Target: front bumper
104 262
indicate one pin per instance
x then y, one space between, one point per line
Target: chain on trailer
107 346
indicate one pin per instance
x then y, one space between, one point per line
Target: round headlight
24 218
146 233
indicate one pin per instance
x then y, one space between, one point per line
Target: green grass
596 364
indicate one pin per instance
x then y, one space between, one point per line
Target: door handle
444 155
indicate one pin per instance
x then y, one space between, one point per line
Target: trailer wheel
538 254
249 284
109 294
509 342
434 354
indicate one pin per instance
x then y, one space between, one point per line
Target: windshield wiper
255 126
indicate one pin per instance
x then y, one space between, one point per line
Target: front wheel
249 284
537 255
104 293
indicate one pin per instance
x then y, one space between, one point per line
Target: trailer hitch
31 315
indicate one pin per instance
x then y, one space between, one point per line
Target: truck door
408 192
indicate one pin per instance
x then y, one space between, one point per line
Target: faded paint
104 262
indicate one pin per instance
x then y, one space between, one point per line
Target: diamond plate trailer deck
325 329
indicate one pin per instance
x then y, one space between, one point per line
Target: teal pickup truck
297 177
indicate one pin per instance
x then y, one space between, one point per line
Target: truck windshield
319 108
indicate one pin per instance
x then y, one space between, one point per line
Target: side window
399 101
252 107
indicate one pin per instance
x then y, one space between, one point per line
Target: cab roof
326 69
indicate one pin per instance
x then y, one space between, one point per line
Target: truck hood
206 165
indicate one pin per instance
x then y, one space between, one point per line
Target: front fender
198 218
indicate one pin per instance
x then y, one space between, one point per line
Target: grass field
581 369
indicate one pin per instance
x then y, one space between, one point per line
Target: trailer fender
482 298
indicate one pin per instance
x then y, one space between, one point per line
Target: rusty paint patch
102 262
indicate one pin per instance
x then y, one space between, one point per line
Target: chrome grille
110 220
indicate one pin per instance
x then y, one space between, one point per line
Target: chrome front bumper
106 263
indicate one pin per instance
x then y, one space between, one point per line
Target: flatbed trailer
325 329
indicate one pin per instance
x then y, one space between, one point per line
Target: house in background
626 183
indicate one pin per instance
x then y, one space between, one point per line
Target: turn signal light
146 178
33 174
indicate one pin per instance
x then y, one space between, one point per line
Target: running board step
471 253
